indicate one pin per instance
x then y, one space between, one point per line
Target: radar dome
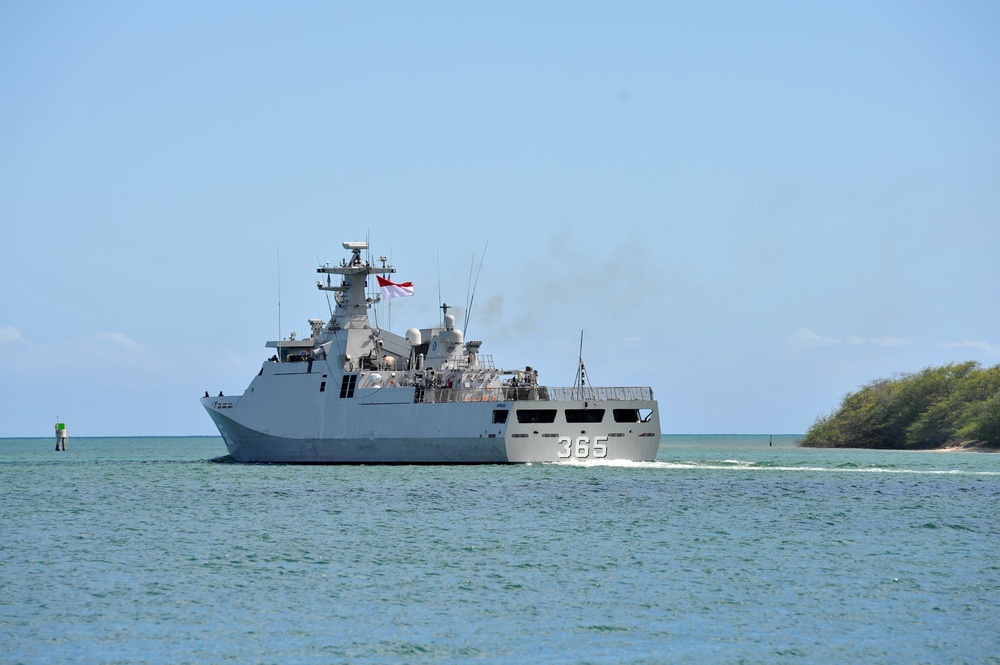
413 336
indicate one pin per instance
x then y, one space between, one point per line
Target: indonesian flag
392 290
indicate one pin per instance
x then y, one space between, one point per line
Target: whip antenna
468 309
279 303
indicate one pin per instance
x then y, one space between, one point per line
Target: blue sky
754 208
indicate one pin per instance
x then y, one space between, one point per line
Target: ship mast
581 372
352 302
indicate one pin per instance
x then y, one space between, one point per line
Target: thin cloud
885 342
890 341
10 334
972 344
807 338
77 354
120 338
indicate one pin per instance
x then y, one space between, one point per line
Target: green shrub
957 404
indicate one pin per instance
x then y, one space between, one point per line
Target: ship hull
248 445
433 434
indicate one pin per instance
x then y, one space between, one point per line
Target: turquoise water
723 550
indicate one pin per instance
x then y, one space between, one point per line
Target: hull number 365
581 447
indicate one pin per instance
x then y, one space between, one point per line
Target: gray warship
353 393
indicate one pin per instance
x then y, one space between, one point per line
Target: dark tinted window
500 416
626 415
584 415
536 415
347 385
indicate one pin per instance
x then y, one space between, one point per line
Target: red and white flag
392 290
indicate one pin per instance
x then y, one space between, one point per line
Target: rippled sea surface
726 549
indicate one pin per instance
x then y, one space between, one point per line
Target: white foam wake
744 465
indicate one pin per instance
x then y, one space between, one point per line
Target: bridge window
500 416
347 385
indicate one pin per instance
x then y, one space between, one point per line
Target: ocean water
726 549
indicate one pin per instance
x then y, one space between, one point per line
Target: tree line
939 407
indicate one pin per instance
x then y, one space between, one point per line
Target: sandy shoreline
964 449
950 449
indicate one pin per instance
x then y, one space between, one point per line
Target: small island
954 406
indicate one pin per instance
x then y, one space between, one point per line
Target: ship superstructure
353 393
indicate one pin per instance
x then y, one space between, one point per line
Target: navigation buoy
61 436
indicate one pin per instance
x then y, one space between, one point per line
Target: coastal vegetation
956 405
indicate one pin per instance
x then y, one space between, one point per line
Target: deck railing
484 361
602 394
533 394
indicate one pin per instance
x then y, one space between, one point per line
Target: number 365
581 448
